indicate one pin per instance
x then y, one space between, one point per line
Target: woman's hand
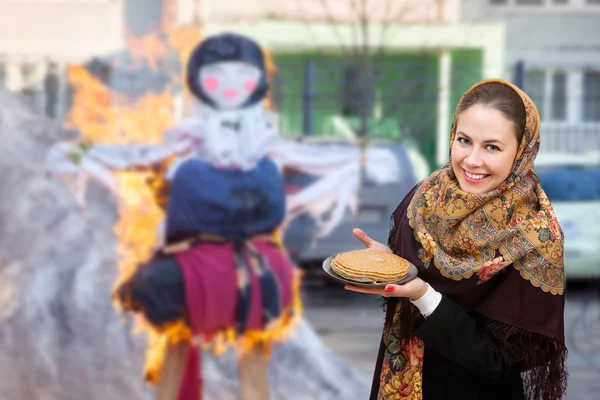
414 289
370 243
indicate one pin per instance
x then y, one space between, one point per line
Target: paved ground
350 324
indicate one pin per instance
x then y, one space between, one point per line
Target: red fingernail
389 288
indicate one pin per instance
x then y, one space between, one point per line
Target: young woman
484 319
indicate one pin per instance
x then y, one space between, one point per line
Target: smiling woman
489 129
484 318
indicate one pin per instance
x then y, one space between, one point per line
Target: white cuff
428 302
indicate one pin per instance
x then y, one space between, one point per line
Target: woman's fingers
414 289
367 241
387 291
379 291
363 237
497 261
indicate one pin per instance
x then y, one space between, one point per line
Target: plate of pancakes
369 268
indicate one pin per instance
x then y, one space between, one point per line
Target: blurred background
392 71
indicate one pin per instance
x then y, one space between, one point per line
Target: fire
271 71
102 115
150 48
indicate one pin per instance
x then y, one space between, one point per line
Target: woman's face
229 84
484 149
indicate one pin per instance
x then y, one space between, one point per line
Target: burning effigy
59 333
210 272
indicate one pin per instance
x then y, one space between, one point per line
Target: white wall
394 11
69 30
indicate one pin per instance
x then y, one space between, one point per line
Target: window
548 90
558 102
548 5
353 97
591 96
350 91
535 87
52 85
529 2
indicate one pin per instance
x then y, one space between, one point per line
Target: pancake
370 266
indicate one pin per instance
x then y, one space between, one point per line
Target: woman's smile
474 178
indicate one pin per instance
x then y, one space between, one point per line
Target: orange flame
103 116
150 48
271 71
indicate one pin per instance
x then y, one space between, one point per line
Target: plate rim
329 271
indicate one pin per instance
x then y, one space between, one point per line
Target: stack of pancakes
370 266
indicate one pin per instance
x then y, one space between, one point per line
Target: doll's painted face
229 84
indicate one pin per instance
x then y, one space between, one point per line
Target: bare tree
367 19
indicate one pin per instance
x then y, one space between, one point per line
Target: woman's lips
474 178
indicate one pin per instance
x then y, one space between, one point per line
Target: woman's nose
473 158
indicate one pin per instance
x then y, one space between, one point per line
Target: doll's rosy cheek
250 85
210 83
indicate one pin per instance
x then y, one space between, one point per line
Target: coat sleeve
460 337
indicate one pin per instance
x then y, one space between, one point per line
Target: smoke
60 337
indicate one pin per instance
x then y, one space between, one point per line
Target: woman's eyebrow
485 141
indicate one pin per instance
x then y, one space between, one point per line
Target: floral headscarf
461 231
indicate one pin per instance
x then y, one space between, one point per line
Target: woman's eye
463 140
491 147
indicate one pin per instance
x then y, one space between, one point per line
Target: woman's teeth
474 176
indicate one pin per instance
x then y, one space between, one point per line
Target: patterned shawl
462 233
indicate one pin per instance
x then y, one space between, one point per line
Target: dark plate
412 274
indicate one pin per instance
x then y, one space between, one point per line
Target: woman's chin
474 188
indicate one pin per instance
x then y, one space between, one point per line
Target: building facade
553 50
40 39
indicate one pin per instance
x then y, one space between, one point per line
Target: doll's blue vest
226 202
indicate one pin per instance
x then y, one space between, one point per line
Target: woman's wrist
421 292
428 302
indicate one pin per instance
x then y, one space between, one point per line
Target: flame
150 48
104 116
139 217
271 70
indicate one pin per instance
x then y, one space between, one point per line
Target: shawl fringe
541 359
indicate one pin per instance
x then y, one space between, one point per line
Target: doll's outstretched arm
75 162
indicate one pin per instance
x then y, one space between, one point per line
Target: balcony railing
570 137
